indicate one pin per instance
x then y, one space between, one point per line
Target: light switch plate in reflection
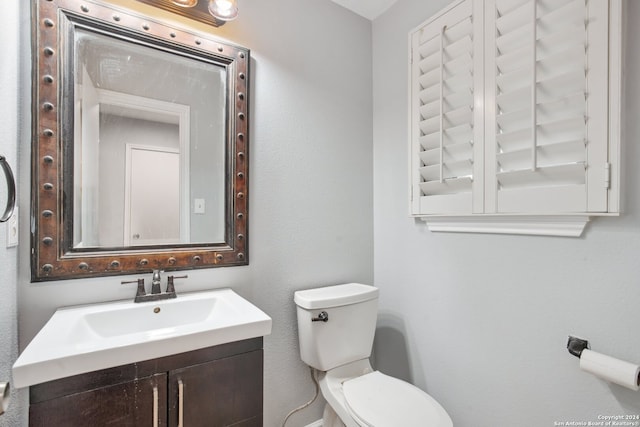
12 229
198 206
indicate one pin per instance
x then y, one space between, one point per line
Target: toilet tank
348 333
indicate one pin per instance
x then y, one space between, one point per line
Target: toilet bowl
336 325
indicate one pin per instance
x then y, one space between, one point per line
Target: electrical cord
300 408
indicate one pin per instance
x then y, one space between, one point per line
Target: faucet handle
170 286
140 292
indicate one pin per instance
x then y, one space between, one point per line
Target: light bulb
224 10
185 3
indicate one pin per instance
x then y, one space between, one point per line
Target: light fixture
185 3
212 12
224 10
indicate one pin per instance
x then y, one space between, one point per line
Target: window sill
564 226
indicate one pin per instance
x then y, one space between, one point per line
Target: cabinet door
137 403
220 393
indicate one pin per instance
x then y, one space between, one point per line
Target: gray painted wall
311 196
481 321
11 92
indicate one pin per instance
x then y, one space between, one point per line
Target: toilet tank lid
334 296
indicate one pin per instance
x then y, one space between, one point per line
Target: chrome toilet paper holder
576 345
608 368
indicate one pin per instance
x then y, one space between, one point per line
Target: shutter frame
558 143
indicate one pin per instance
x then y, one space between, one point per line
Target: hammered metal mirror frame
53 254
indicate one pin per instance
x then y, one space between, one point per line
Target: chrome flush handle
323 316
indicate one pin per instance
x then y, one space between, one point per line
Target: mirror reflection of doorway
152 195
103 201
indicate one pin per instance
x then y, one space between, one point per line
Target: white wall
484 319
310 183
10 135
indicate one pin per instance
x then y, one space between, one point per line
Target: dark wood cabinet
134 403
199 404
214 387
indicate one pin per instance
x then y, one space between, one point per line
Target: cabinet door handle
155 406
180 403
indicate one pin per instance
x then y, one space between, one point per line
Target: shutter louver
540 85
443 113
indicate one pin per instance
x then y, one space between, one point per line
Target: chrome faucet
156 293
155 282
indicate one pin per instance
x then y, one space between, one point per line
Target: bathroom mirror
139 144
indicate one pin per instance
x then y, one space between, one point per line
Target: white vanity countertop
87 338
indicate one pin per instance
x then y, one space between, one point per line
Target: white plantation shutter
446 80
547 142
515 115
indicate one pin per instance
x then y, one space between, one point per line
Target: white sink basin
127 319
91 337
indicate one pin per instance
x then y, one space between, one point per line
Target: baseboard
315 424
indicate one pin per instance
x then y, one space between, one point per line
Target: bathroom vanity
216 386
195 360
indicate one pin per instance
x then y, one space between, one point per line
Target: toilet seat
378 400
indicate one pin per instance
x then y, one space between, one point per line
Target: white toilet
336 325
